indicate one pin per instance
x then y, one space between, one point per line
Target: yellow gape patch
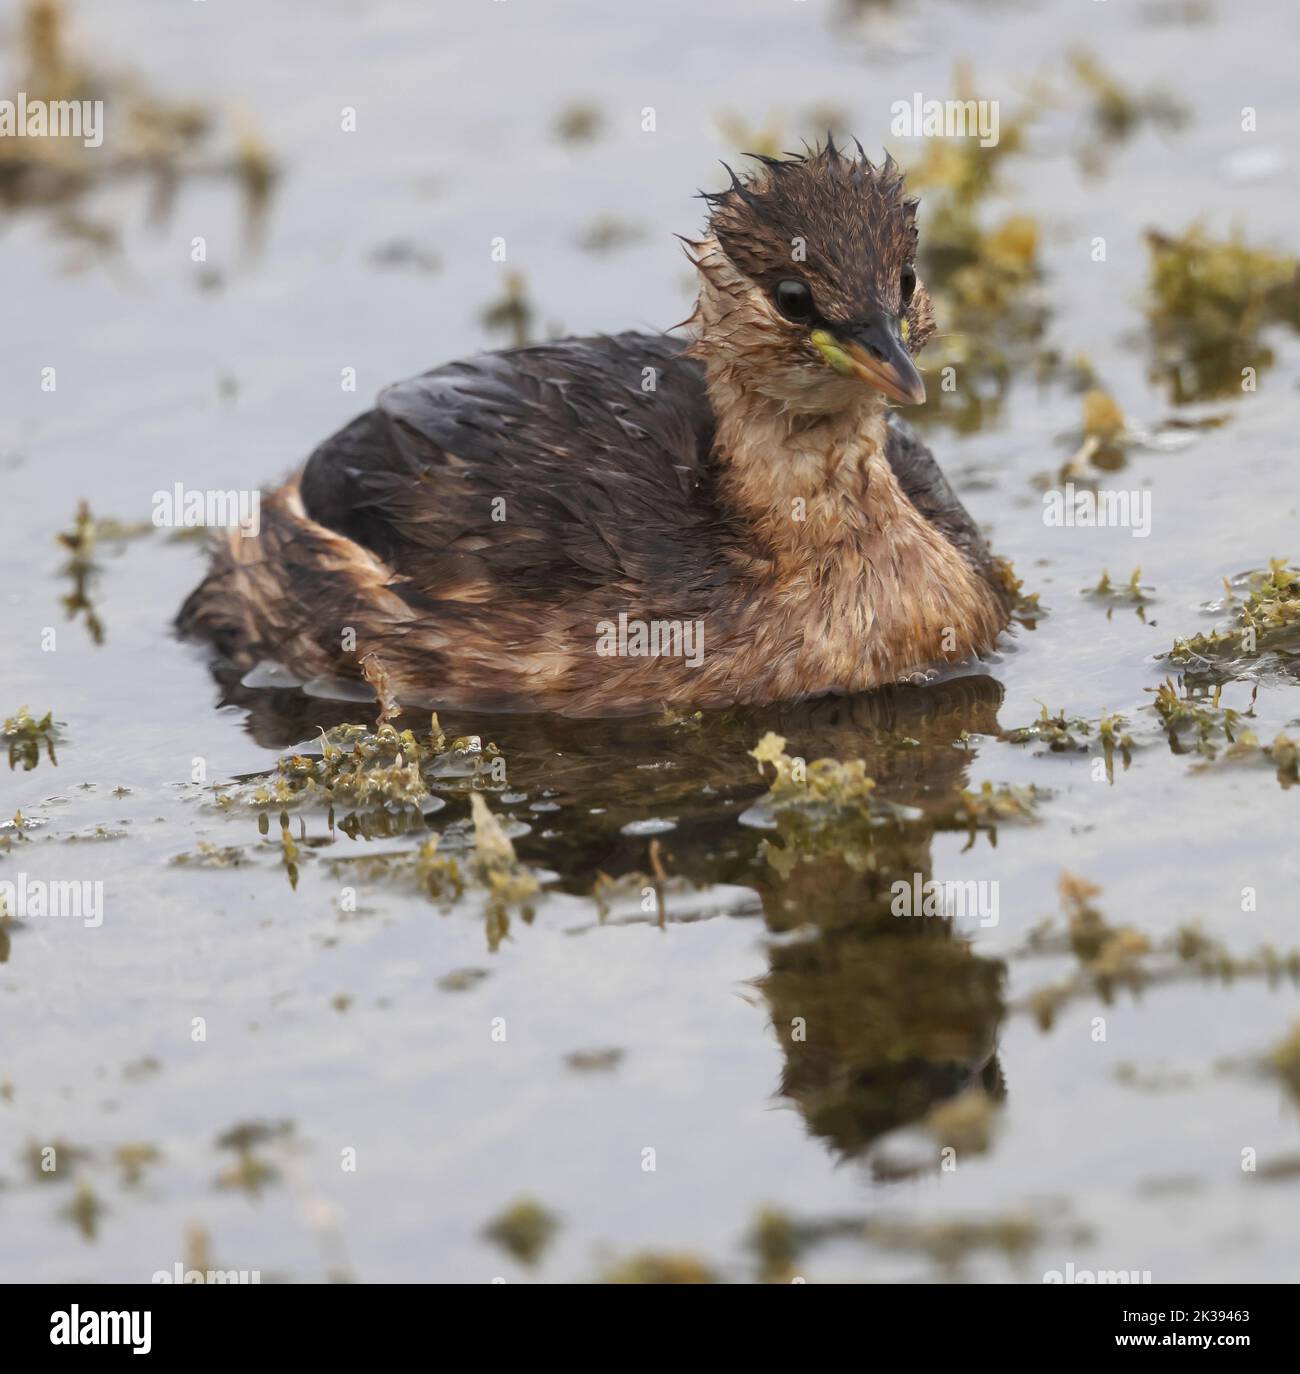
832 352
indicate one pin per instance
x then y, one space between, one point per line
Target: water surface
361 1030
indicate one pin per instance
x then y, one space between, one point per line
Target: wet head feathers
840 223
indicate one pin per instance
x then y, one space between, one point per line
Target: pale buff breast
861 591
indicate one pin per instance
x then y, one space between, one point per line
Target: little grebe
605 526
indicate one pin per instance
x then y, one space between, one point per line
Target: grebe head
809 289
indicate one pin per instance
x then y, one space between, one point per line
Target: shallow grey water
455 146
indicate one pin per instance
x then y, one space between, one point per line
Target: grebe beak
874 351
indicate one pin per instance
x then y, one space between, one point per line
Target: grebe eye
907 285
794 300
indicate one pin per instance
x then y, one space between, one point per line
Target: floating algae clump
1116 113
1285 1061
1074 734
1264 633
85 1210
1272 607
948 1243
382 780
965 171
26 736
81 571
524 1229
362 769
994 803
824 782
1102 417
438 874
495 863
512 313
147 135
963 1123
1024 605
1108 955
981 278
251 1173
1122 956
1107 951
1132 592
1105 436
1194 720
1246 748
208 855
1286 755
776 1242
579 123
651 1267
444 876
1209 303
132 1160
373 778
821 808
